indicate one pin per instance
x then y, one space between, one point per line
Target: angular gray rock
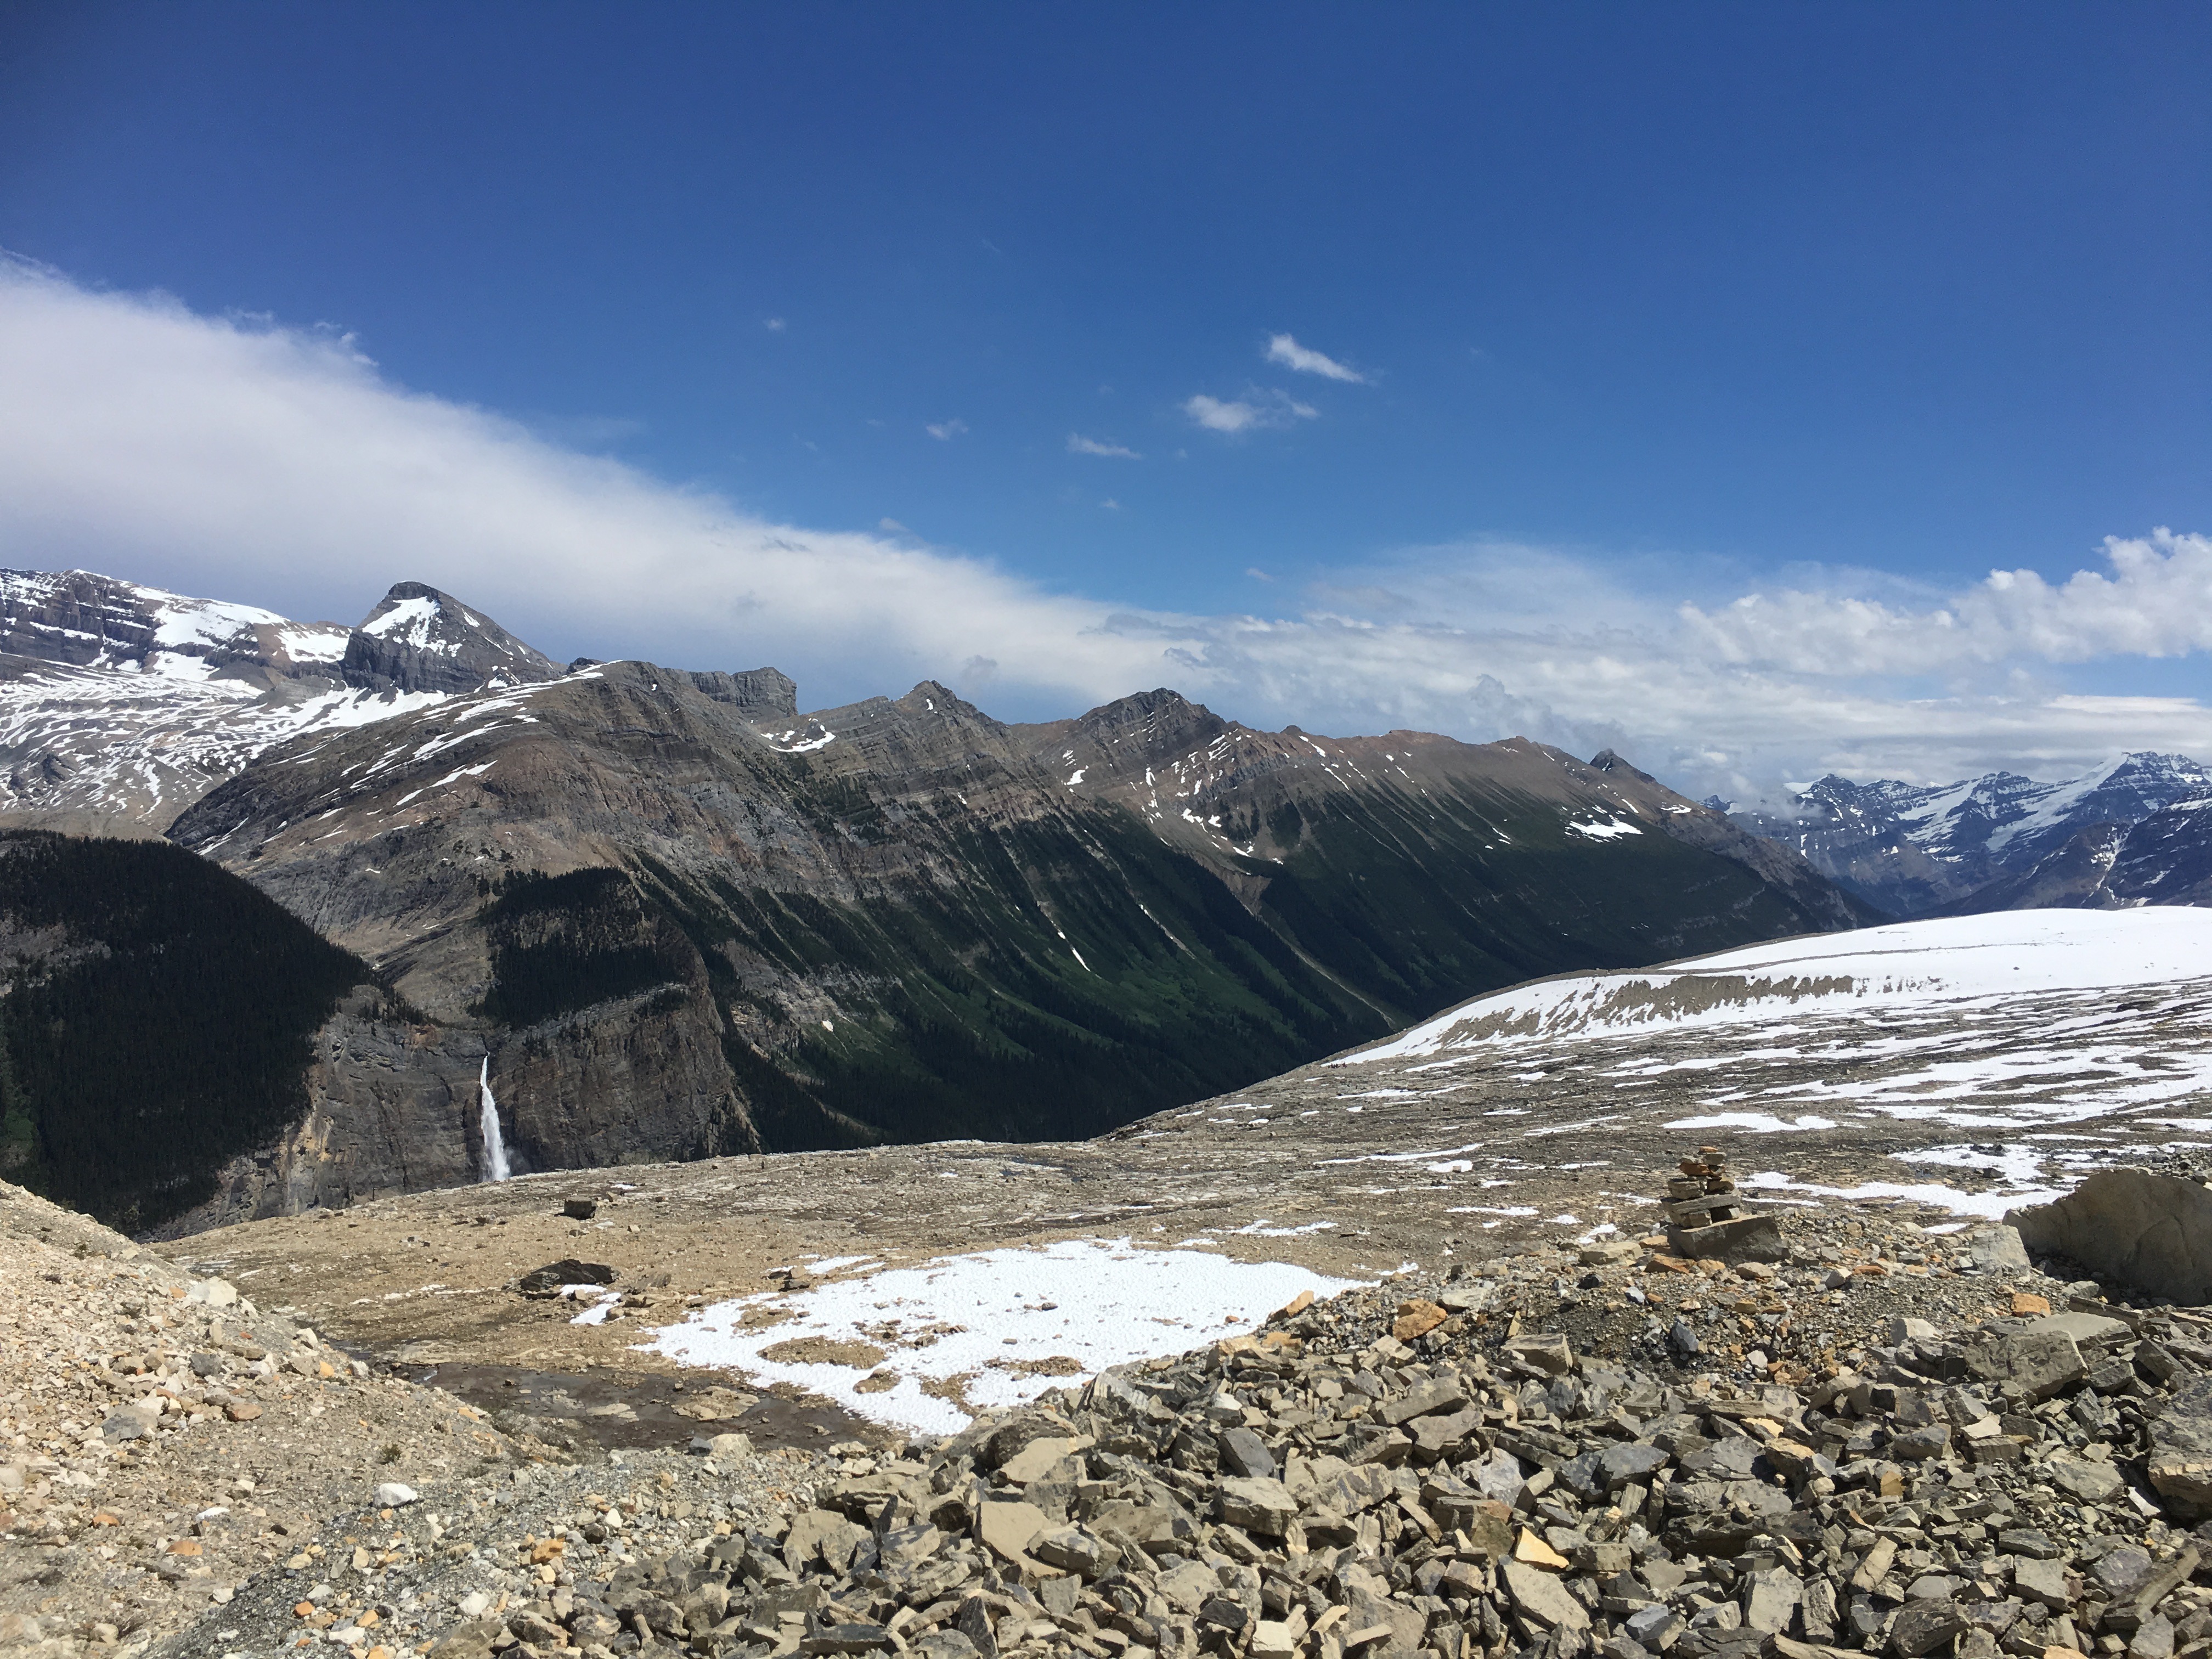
1542 1599
2130 1227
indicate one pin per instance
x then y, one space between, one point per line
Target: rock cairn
1707 1218
1417 1476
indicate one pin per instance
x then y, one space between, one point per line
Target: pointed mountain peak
1164 713
929 697
1606 760
421 639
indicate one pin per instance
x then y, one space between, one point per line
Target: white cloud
1254 411
774 324
278 467
1282 348
1079 445
945 431
2156 602
1110 505
892 525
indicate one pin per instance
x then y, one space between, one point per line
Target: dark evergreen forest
158 1019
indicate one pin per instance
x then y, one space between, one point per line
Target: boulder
2091 1481
1417 1318
2151 1231
130 1423
1746 1238
2180 1461
2035 1363
1770 1601
548 1280
1421 1400
1007 1529
1035 1459
1923 1627
1244 1453
1074 1549
1542 1599
1653 1628
1998 1251
1550 1355
1257 1505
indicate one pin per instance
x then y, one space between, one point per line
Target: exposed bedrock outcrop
2151 1231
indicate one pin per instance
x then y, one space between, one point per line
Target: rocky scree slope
2004 841
171 1455
668 898
1896 1450
122 704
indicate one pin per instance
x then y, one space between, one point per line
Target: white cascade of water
495 1142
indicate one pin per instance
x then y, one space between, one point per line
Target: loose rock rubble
1886 1442
163 1439
182 1472
1436 1468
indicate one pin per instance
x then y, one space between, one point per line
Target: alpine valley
622 913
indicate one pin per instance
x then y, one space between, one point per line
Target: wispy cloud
773 324
1079 445
1254 411
1282 348
945 431
248 461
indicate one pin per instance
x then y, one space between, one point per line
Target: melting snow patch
1992 1205
1611 830
1260 1228
1004 1324
1758 1122
836 1263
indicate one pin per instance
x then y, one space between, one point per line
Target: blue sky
1617 309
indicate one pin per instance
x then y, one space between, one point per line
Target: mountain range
664 913
120 704
2135 830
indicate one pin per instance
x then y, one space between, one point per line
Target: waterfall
495 1142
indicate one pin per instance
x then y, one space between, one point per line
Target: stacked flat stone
1707 1218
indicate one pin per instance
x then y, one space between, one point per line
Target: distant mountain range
668 913
2135 830
120 705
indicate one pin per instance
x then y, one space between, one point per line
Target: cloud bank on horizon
243 460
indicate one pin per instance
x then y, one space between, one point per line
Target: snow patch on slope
992 1321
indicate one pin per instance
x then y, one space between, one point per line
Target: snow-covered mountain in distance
121 705
2005 841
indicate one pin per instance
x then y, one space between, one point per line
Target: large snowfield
1905 965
